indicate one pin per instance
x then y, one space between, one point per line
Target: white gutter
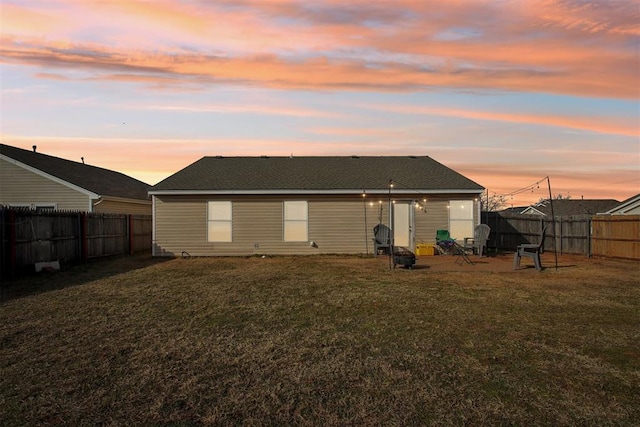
278 192
153 225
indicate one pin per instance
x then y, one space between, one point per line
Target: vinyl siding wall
133 207
20 186
336 224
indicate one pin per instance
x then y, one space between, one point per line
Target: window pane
295 231
461 209
220 211
460 229
295 211
295 221
219 231
461 219
219 225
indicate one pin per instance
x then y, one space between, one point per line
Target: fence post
3 244
11 220
589 233
130 233
84 238
560 232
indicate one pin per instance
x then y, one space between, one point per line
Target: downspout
92 207
153 225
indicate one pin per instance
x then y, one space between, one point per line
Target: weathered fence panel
616 236
141 228
107 235
43 236
28 237
510 230
572 234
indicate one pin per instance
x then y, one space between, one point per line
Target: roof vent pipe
82 158
34 148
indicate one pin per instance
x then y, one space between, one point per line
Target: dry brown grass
320 340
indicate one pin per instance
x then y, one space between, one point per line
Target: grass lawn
319 341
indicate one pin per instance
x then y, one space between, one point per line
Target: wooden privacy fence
615 236
29 237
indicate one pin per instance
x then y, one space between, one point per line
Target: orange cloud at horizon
169 156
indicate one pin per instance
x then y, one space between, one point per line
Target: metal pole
553 219
366 228
391 234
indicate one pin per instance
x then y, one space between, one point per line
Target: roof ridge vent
412 157
219 157
264 157
355 157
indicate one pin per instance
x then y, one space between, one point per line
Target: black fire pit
403 256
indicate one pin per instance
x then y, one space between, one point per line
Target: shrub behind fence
28 237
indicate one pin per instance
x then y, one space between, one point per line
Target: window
219 221
461 219
42 207
38 207
295 221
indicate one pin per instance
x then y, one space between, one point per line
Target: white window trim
461 220
296 221
225 221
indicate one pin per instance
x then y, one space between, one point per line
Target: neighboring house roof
514 210
269 175
632 204
564 207
102 182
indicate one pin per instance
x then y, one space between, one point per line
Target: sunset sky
505 92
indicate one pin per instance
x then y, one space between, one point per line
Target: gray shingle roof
316 174
103 182
567 207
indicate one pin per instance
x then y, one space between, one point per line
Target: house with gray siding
34 180
221 206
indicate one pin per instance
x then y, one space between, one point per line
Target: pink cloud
276 110
606 125
18 19
316 73
554 47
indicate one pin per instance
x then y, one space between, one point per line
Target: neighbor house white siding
21 186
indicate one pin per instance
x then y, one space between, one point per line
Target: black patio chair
381 240
530 250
